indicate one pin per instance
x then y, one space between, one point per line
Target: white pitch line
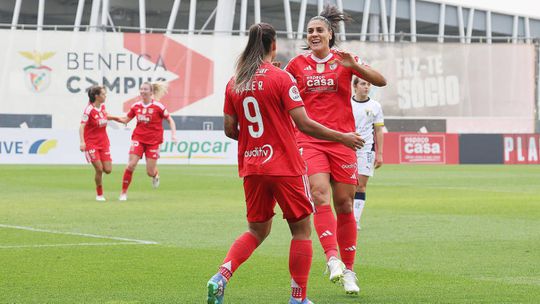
68 245
79 234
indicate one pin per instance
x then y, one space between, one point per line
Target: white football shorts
366 162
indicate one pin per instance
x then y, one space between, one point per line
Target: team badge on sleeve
294 94
84 118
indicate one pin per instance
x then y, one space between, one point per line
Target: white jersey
367 115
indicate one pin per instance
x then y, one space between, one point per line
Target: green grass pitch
431 234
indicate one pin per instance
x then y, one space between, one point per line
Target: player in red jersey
324 77
93 136
148 133
260 101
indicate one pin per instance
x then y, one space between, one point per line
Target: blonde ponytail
158 88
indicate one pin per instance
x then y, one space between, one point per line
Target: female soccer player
148 134
259 102
369 121
93 136
324 76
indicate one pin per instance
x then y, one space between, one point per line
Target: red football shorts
290 192
139 148
97 154
333 158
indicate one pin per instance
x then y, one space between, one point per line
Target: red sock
325 225
299 264
99 190
239 252
346 238
126 180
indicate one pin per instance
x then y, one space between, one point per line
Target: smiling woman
324 76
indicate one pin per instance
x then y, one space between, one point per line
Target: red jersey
95 128
266 141
325 87
149 129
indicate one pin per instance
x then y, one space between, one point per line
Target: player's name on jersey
255 85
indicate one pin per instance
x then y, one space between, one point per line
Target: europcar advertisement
46 146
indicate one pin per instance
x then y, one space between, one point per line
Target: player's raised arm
368 73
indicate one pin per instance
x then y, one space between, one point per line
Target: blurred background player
259 102
369 121
324 76
148 133
94 141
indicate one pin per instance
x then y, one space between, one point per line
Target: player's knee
343 203
107 170
131 167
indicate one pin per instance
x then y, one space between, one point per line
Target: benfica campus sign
49 72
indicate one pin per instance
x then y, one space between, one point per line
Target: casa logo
37 76
429 148
41 147
265 151
321 83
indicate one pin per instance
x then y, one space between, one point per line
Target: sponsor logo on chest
321 82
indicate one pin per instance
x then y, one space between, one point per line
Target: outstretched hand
347 59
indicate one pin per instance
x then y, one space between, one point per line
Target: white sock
358 208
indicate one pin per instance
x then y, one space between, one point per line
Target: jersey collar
361 101
323 60
147 105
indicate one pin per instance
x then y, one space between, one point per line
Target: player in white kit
369 122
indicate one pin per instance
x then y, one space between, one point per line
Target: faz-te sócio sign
422 148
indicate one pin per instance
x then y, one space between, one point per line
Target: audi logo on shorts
348 166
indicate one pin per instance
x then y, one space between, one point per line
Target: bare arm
231 126
172 124
310 127
120 119
368 74
379 141
82 145
116 118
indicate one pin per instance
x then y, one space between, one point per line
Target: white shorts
366 162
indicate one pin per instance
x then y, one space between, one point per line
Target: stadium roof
515 7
